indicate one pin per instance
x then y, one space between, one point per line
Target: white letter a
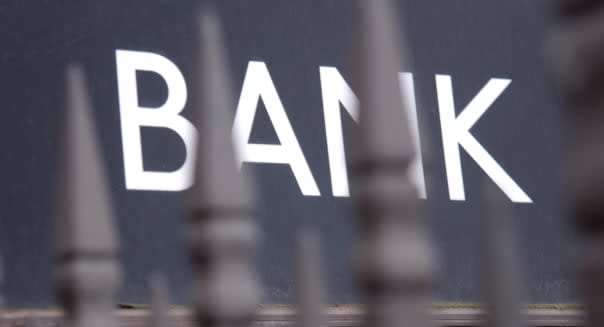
258 84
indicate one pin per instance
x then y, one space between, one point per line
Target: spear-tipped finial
88 272
397 264
310 282
577 52
222 233
502 278
218 182
159 301
384 128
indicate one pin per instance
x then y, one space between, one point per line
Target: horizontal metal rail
343 316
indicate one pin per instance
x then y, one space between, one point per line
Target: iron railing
396 262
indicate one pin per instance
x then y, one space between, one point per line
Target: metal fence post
502 280
397 264
577 57
2 318
221 230
1 285
87 268
309 286
159 315
32 321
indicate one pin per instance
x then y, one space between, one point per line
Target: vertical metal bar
31 320
158 287
1 285
397 263
87 268
578 61
310 282
502 278
2 318
222 233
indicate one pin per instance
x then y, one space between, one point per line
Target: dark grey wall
470 40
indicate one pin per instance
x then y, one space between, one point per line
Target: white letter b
133 117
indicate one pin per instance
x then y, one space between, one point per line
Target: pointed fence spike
577 49
217 181
379 59
222 233
88 271
502 274
159 316
310 294
396 257
85 223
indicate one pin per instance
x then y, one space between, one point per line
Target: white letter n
335 91
456 131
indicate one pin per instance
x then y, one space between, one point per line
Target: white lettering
258 84
416 169
133 117
335 91
456 132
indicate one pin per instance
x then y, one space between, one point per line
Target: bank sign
477 97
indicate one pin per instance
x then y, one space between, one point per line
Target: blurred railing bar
2 318
159 297
310 285
577 58
334 317
396 259
502 281
221 232
87 268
